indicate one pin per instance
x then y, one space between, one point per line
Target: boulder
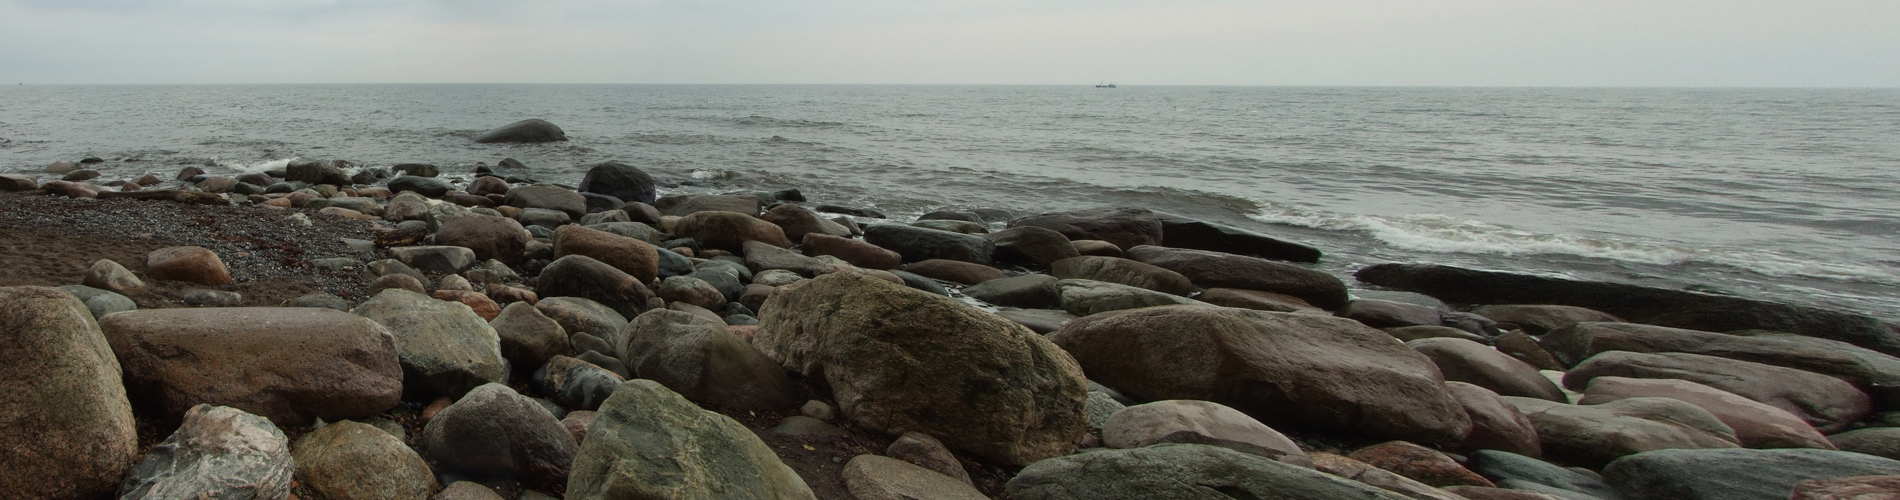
1495 423
548 197
426 186
316 172
916 243
483 306
441 259
621 181
1419 463
1381 478
100 302
924 451
856 252
1254 299
529 338
1518 345
219 452
1086 297
901 360
687 204
1471 362
1037 246
190 264
492 431
1876 441
1029 291
1041 321
955 271
582 276
629 255
353 461
1219 270
648 442
1388 314
445 348
1198 422
1849 488
1639 304
1756 425
105 274
487 185
416 169
396 281
18 183
761 256
488 236
1594 435
291 365
1288 370
693 291
1510 470
578 315
1539 319
575 383
798 221
1122 271
1180 471
1875 373
729 230
405 206
1737 474
1123 227
532 130
1827 403
65 422
871 477
1182 232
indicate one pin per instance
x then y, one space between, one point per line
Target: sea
1782 194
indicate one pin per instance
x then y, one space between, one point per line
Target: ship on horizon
1104 85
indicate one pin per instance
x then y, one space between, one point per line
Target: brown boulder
1541 318
799 221
1419 463
1827 403
490 236
967 273
190 264
856 252
1757 425
1466 361
1122 271
1495 423
630 255
729 230
1254 299
1122 227
1223 270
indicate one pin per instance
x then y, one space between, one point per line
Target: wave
259 167
1438 233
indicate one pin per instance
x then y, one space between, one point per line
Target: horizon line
1118 85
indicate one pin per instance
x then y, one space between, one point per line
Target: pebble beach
331 331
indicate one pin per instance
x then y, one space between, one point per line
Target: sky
1648 43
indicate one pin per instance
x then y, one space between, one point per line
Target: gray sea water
1791 195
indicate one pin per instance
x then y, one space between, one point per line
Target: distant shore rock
530 131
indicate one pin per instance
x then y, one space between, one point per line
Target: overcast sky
1132 42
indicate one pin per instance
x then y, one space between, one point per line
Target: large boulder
446 349
528 337
1756 425
548 197
729 230
1220 270
1738 474
621 181
1639 304
1596 434
354 461
1466 361
1187 471
219 452
629 255
1827 403
1198 422
190 264
531 130
1123 271
582 276
492 431
917 244
648 442
488 236
704 362
1037 246
1124 227
65 422
1288 370
855 252
1182 232
1874 372
897 359
288 364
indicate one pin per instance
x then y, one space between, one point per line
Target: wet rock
852 211
189 264
916 243
1466 361
1288 370
1122 227
426 186
1218 270
416 169
729 230
1254 299
68 429
105 274
492 431
315 172
1827 403
1180 471
856 252
1756 425
798 221
860 332
577 384
702 361
1419 463
349 460
1736 474
1181 232
532 130
584 277
1597 434
297 364
1541 319
1123 271
445 348
100 302
219 452
1198 422
648 442
548 197
621 181
1086 297
1029 291
871 477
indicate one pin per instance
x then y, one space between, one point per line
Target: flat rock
1849 488
1182 232
105 274
924 451
1254 299
1471 362
1873 372
856 252
1876 441
1123 227
682 205
1122 271
1029 291
1518 472
966 273
547 197
441 259
1086 297
918 244
1419 463
1388 314
100 302
1539 319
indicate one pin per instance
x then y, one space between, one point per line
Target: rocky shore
332 332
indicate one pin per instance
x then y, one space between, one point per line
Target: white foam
266 166
1439 233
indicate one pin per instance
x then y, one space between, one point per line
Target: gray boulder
1185 471
649 442
1738 474
100 302
219 452
446 349
532 130
349 460
575 384
492 431
704 362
